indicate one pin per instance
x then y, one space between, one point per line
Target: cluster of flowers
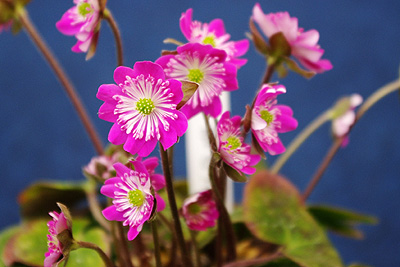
143 107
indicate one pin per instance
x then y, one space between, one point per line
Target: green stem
295 144
174 210
371 101
60 73
268 74
117 35
99 251
196 249
156 244
94 205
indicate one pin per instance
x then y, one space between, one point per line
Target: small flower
5 26
143 108
268 119
57 225
206 66
81 21
213 34
133 201
341 125
157 180
304 45
230 145
200 211
101 167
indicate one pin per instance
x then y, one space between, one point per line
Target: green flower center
209 40
84 9
194 208
234 142
195 75
267 116
145 106
136 197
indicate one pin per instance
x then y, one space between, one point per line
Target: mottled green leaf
40 198
273 213
341 221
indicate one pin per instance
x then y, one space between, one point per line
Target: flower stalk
370 102
61 75
117 35
174 210
107 261
156 242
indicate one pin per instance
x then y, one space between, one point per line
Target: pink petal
116 135
168 138
148 68
157 181
121 169
139 167
133 232
121 73
109 189
185 23
264 22
176 89
68 26
276 148
285 110
133 145
106 92
147 147
111 214
217 26
308 38
51 259
160 203
241 47
288 123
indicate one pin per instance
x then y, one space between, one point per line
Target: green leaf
40 198
284 262
234 174
5 236
274 213
340 220
292 65
188 89
29 244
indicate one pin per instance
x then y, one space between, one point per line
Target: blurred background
41 136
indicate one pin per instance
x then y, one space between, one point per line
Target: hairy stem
371 101
61 75
296 143
94 205
99 251
174 210
117 35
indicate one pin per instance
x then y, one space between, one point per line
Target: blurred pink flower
304 45
213 34
55 248
206 66
268 119
142 107
5 26
230 145
81 21
342 124
200 211
133 201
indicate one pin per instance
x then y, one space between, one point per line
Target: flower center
266 116
195 75
234 142
136 197
194 208
209 40
145 106
84 9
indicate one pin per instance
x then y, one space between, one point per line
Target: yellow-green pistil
145 106
136 197
195 75
233 142
84 9
209 40
266 116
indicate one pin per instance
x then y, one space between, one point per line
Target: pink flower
268 119
142 107
81 21
133 201
102 166
213 34
341 125
5 26
55 249
157 180
230 144
200 211
206 66
304 45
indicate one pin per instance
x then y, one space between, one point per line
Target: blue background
42 138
